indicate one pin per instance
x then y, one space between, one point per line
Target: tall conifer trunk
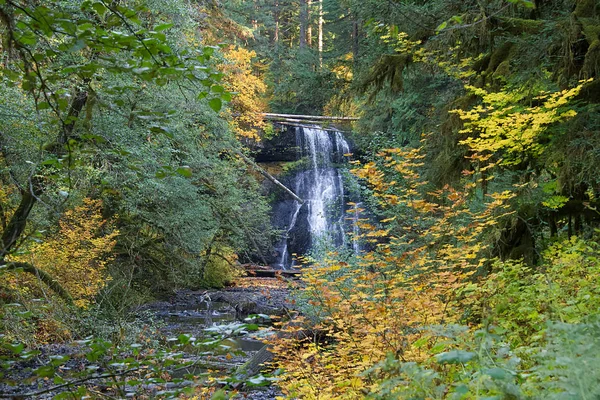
308 24
303 22
276 18
355 43
320 33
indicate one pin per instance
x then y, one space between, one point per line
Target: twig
66 385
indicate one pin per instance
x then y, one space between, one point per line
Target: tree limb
42 275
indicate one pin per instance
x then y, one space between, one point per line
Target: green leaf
219 395
78 45
497 373
216 104
162 129
420 343
208 51
99 8
461 390
184 339
185 171
59 360
162 27
25 314
26 355
15 348
441 26
438 347
46 371
455 357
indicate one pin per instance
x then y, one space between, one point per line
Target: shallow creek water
200 320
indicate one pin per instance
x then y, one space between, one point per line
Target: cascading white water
322 217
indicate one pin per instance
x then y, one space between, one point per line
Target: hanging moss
389 70
590 28
591 65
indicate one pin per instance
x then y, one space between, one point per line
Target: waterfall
322 218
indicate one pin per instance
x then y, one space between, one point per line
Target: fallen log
273 273
257 363
311 117
302 121
285 123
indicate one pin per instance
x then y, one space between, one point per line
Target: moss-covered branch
42 276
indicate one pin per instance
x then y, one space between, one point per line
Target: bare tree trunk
34 187
254 20
276 18
320 33
303 22
308 24
17 223
355 43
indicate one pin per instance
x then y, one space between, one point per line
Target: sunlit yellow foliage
501 126
248 91
77 255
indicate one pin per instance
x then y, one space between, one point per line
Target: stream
238 319
209 333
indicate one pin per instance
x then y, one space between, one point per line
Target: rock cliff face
282 148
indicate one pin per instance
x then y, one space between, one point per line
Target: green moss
388 69
481 64
500 55
518 26
502 71
586 8
591 64
499 65
591 29
590 92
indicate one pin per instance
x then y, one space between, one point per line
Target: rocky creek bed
238 318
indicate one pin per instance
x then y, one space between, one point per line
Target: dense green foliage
113 102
